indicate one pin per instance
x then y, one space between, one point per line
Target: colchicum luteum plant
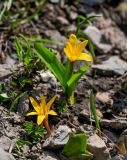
66 74
42 110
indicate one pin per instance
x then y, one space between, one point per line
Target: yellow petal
49 104
35 104
84 56
82 45
68 50
67 53
43 100
52 112
32 113
72 58
40 119
73 40
43 104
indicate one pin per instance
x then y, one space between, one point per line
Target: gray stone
62 20
54 1
25 149
113 65
115 37
98 148
5 143
18 119
92 2
71 28
122 141
5 70
124 55
73 15
47 76
5 155
58 139
49 158
94 33
47 155
118 157
23 104
96 37
9 61
111 135
114 123
56 36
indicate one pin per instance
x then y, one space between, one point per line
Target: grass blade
16 100
93 110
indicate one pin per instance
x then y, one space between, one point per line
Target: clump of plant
35 132
66 74
42 110
29 9
26 54
4 98
74 51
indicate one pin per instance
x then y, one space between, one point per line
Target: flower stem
71 69
46 124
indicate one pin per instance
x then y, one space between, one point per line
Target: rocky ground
55 21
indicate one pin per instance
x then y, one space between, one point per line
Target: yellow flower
74 49
42 110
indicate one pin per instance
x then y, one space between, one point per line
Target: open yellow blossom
74 49
42 110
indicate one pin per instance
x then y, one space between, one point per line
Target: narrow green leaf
3 11
19 49
91 48
4 96
74 79
51 61
16 100
67 70
25 40
9 4
44 40
72 98
93 110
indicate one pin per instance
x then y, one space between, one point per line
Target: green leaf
3 11
76 147
91 48
93 110
21 142
44 40
29 127
24 80
67 70
35 132
51 61
19 49
72 98
25 40
4 96
9 4
74 79
16 100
